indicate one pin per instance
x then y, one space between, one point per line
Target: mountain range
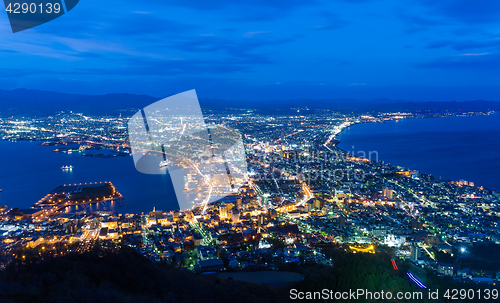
24 102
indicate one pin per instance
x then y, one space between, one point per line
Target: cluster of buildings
71 132
303 190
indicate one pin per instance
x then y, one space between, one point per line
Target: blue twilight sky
263 49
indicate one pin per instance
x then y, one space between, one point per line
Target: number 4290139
33 8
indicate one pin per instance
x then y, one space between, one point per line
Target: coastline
406 167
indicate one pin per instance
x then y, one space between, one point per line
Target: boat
164 163
67 167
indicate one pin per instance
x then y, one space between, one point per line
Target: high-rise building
225 210
388 193
415 252
72 229
235 216
318 204
261 219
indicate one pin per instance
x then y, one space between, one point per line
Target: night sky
429 50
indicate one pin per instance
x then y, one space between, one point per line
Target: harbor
80 195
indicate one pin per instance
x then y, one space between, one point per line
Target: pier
81 194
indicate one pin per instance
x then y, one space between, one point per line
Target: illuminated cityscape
303 190
249 151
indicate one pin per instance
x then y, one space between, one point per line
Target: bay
29 171
453 148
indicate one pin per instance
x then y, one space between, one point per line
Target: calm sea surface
453 148
29 171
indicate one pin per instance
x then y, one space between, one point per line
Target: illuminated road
419 284
336 130
207 181
394 264
196 225
307 190
263 201
308 194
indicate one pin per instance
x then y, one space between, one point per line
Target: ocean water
29 171
452 148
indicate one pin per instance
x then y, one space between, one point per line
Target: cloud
35 47
183 67
144 24
140 68
418 23
243 10
251 34
20 72
464 44
216 4
420 20
481 61
475 54
466 11
330 21
440 43
331 24
239 49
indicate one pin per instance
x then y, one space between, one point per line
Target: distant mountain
22 102
350 105
33 102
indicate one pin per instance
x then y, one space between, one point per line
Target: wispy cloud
465 44
480 62
251 34
329 21
466 11
475 54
